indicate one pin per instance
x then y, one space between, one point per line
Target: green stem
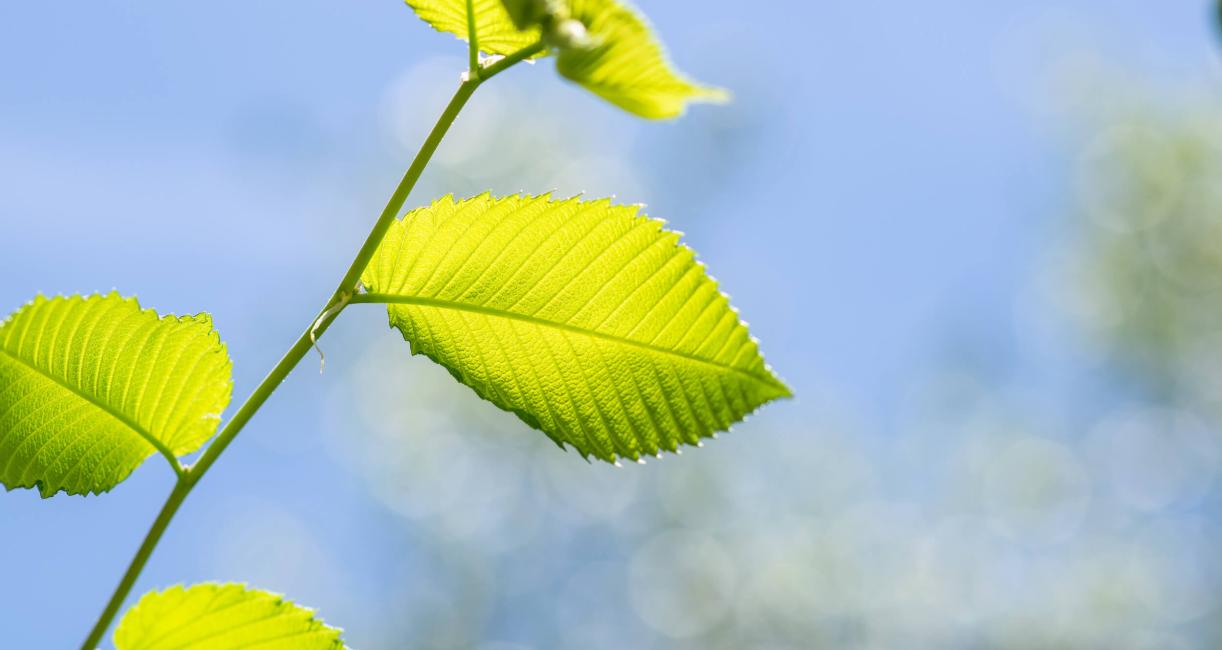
181 489
472 41
511 60
348 286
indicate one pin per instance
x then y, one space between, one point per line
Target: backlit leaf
525 13
221 617
626 65
606 46
92 386
497 33
587 319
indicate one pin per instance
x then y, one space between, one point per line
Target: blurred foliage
1218 17
987 519
1151 249
1014 539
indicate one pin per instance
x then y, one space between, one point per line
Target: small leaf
586 319
496 31
626 65
90 387
221 617
605 46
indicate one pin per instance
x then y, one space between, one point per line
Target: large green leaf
626 65
221 617
613 52
496 32
588 320
92 386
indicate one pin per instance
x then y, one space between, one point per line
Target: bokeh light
982 240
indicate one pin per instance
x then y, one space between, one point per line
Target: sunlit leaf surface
497 33
615 54
92 386
625 63
221 617
587 319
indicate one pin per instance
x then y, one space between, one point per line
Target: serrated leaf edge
279 601
699 92
770 379
201 318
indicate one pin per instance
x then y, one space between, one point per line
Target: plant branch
181 489
500 66
189 477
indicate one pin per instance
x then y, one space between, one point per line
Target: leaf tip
713 95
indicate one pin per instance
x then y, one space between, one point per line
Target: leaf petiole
472 41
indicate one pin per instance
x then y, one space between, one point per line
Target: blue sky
877 200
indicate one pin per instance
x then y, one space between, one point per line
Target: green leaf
221 617
626 65
525 13
586 319
90 387
605 46
496 31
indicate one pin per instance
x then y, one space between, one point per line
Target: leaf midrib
386 298
102 406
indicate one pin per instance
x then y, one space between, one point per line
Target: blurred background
981 240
